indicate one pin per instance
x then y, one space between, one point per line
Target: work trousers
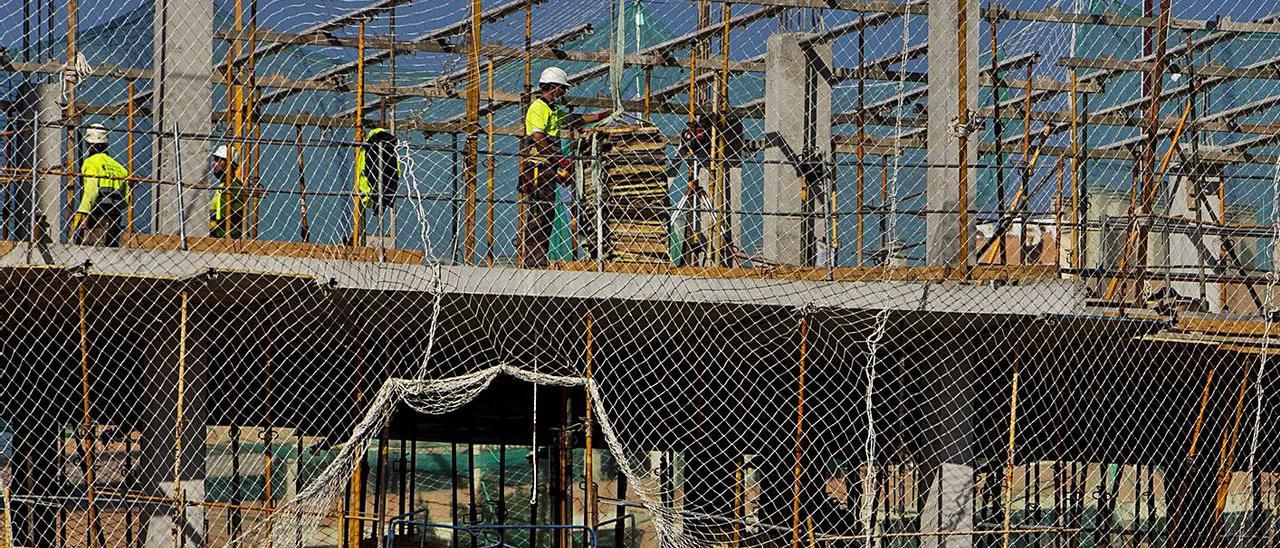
104 226
538 192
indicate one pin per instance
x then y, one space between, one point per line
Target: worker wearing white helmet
104 194
226 209
546 165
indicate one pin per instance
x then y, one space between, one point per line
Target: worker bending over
377 176
104 194
545 165
226 209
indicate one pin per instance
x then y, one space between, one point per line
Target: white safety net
639 273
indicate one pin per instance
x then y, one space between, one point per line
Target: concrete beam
1043 297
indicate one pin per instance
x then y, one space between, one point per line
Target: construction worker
546 166
104 194
226 209
377 173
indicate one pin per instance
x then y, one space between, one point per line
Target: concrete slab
1043 297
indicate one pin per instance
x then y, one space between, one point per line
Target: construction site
639 273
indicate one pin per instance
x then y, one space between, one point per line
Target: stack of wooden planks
634 177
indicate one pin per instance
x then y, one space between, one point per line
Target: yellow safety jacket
101 171
218 209
363 188
546 119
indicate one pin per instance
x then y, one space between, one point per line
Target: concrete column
42 108
21 112
733 183
943 191
947 460
797 128
183 51
164 470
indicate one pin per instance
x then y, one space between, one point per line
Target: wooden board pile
634 177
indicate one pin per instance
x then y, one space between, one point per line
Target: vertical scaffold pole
1057 208
619 525
472 514
268 438
525 99
253 176
1076 221
235 114
1008 471
862 137
799 441
453 494
471 157
180 511
233 48
181 187
356 211
132 109
305 225
70 116
592 508
1027 166
380 489
489 183
962 58
87 429
997 121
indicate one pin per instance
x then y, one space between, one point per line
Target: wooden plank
273 248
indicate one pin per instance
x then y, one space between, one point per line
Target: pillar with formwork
797 131
942 153
183 95
174 418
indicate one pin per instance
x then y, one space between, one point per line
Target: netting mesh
675 273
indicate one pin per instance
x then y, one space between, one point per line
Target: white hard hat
553 75
220 152
96 134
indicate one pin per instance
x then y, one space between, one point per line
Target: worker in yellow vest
226 209
104 194
377 173
545 165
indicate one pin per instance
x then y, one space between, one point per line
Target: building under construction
830 273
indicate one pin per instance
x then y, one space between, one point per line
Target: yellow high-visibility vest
98 172
362 181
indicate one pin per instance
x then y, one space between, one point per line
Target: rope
617 54
903 57
869 479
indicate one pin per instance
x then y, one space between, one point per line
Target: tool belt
110 201
538 180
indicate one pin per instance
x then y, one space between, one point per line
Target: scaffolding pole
471 155
357 211
962 74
